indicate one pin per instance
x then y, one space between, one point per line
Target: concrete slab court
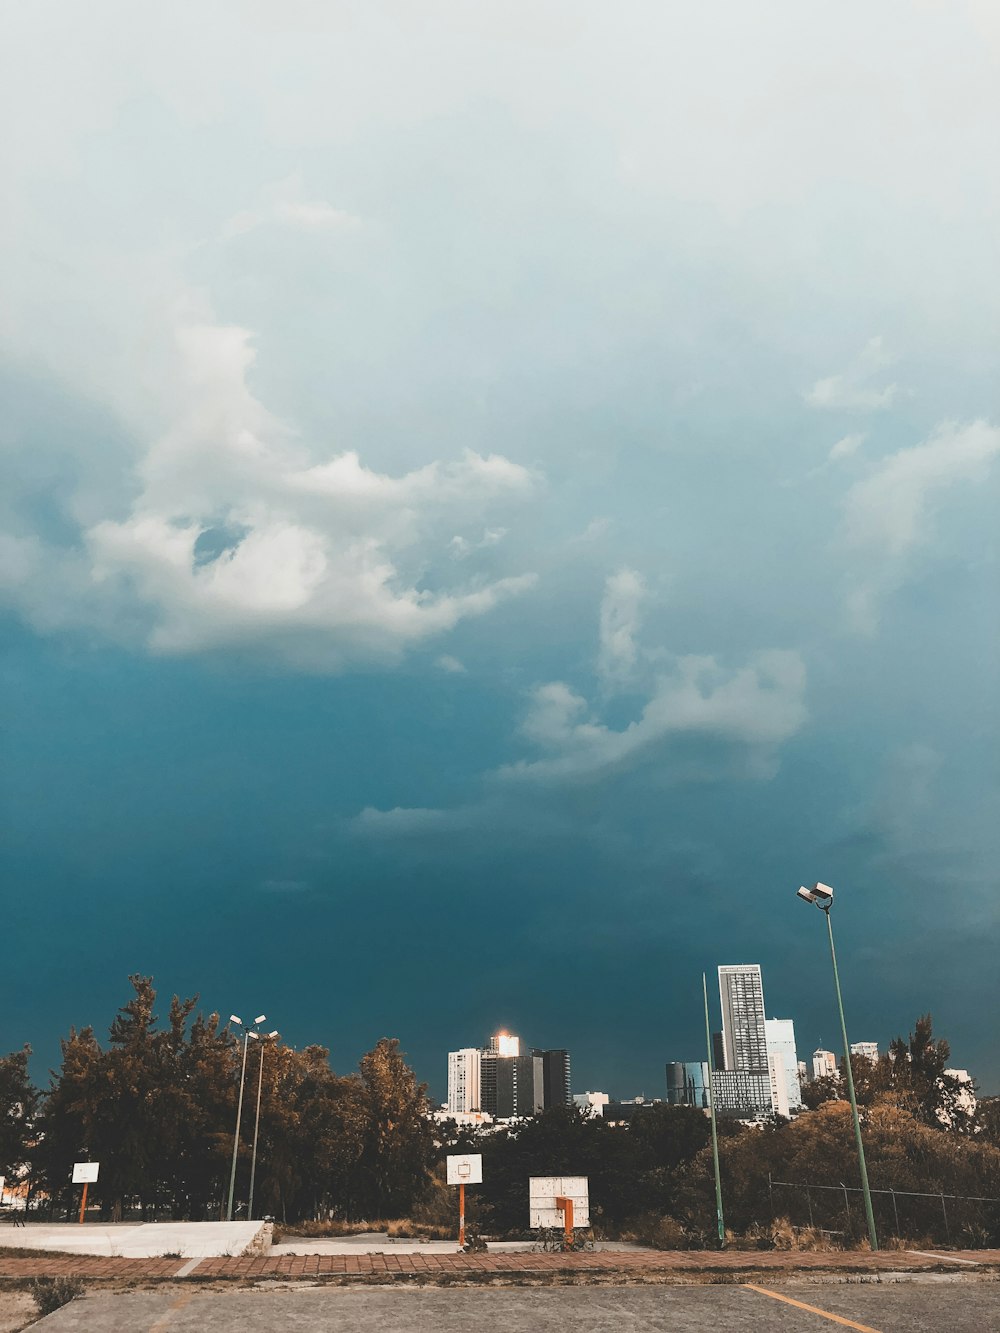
142 1240
968 1306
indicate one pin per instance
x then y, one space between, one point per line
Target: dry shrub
406 1227
51 1293
661 1233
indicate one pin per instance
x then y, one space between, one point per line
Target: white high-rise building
825 1064
869 1049
744 1040
464 1073
783 1063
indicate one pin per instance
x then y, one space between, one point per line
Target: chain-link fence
960 1220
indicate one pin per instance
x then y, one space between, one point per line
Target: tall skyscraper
464 1072
743 1084
555 1071
744 1040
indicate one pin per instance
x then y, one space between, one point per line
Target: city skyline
470 548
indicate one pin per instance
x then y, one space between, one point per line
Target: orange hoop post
565 1206
83 1201
461 1215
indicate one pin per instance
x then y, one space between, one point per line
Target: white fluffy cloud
852 390
236 535
282 204
891 508
760 704
619 623
890 513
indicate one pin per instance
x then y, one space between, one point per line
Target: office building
464 1072
781 1056
742 1092
687 1083
744 1041
556 1086
825 1064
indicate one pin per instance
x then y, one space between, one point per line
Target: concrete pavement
141 1240
962 1305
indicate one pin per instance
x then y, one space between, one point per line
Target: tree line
156 1106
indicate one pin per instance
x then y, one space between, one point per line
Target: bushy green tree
18 1105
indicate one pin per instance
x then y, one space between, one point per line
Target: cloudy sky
498 495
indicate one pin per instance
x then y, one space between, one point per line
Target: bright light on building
506 1044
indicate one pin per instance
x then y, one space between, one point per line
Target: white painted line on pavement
948 1258
187 1268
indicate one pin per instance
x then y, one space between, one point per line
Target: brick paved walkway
678 1264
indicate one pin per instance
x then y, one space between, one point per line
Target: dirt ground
17 1309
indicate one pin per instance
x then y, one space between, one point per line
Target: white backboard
543 1192
3 1181
467 1170
85 1173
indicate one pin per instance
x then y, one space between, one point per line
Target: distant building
502 1043
687 1083
742 1092
501 1082
825 1064
592 1102
803 1073
869 1049
744 1040
556 1083
464 1072
783 1064
742 1084
464 1119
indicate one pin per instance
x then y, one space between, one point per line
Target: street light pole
270 1036
239 1107
720 1224
822 896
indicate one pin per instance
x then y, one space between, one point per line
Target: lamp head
272 1035
254 1036
260 1018
238 1021
820 894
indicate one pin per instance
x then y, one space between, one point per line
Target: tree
398 1142
18 1104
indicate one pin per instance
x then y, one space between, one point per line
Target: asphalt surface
959 1305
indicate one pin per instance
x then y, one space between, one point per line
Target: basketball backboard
465 1170
543 1192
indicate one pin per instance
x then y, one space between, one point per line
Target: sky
496 497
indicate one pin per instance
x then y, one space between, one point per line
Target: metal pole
461 1214
256 1127
236 1136
895 1213
869 1214
720 1223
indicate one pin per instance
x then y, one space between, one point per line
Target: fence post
847 1206
809 1203
895 1213
770 1194
947 1229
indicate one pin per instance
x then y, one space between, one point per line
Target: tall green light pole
822 896
247 1034
711 1110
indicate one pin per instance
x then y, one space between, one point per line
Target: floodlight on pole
247 1034
264 1039
821 895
